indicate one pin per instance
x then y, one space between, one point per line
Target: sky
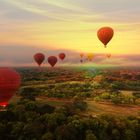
70 26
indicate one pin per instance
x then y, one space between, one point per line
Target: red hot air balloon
105 34
9 82
52 60
81 61
39 58
62 56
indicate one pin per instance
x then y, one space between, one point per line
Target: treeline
36 76
83 90
118 97
120 85
33 75
59 90
30 120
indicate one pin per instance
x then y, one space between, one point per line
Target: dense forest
29 120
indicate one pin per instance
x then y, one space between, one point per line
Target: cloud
125 60
23 55
20 11
60 11
67 10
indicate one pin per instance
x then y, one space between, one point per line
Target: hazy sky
52 26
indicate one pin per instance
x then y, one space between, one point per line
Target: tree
116 134
32 130
136 96
129 135
31 106
66 132
45 108
28 93
105 95
117 85
116 99
48 136
17 129
90 135
79 103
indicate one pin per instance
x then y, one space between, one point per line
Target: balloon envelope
39 58
62 56
105 34
81 61
108 55
90 56
52 60
9 82
81 55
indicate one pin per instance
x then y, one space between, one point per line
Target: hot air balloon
105 34
90 56
108 55
62 56
81 61
9 83
52 60
39 58
81 55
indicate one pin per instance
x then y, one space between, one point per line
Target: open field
95 108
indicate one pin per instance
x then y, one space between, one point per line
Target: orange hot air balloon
52 60
108 55
9 83
105 34
90 56
62 56
81 55
39 58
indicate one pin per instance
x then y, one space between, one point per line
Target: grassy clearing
126 92
95 108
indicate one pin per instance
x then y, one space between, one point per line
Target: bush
117 85
90 135
28 93
79 104
47 136
136 94
97 98
116 99
84 94
105 95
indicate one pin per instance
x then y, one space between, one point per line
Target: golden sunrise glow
70 25
78 36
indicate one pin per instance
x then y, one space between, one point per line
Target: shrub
97 98
116 99
105 95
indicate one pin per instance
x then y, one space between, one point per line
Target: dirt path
55 99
